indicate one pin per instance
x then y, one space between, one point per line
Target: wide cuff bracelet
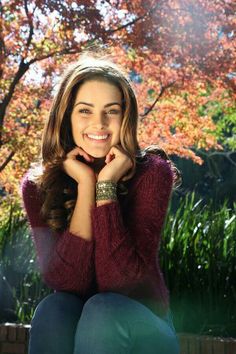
106 190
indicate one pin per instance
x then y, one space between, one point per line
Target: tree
173 51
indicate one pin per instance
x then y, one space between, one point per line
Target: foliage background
180 56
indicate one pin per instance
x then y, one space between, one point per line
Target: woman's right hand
76 169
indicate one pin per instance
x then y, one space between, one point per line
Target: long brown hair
58 190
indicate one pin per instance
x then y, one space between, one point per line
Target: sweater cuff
108 223
71 248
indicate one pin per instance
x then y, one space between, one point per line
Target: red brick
218 346
193 345
13 348
21 334
11 328
3 333
230 346
183 340
206 345
27 328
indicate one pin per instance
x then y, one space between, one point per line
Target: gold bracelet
106 190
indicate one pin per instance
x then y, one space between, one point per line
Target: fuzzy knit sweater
123 254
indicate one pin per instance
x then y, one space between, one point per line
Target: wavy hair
58 190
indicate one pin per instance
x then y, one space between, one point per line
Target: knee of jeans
53 305
111 301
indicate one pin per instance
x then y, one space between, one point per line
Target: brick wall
193 344
14 340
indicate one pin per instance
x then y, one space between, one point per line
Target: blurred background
181 58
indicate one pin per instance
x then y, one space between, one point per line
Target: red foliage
172 49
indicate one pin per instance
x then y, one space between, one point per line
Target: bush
198 258
18 264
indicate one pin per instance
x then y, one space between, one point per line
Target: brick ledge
14 340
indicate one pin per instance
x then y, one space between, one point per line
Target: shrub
198 258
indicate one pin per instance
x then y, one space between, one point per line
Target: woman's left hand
118 163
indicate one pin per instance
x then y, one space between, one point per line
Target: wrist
104 179
86 186
106 191
88 182
103 202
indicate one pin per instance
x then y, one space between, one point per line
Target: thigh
154 335
147 332
54 323
119 324
102 328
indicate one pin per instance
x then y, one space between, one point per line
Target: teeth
98 137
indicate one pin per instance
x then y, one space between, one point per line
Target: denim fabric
107 323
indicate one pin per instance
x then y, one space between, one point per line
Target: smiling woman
96 208
97 116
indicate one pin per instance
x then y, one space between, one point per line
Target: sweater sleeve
127 245
66 261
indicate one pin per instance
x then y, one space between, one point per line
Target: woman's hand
76 169
118 163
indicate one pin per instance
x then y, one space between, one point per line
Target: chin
97 154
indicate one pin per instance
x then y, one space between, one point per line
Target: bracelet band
106 190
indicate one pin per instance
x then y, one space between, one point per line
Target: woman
96 204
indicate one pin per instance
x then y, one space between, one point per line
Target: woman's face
96 117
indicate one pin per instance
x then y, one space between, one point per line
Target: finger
110 156
86 155
74 152
107 160
79 151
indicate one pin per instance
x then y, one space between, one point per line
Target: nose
100 119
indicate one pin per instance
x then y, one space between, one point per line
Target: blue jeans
107 323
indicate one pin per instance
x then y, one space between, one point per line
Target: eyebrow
91 105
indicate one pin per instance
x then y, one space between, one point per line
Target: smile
98 138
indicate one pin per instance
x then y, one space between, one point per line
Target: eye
84 111
113 111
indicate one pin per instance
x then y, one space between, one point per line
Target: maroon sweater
123 254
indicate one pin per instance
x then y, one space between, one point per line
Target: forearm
81 224
119 260
66 261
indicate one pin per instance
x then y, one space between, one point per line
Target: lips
92 137
105 136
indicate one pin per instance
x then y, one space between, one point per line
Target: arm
80 224
66 260
126 248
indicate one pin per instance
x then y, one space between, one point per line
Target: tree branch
2 43
10 156
8 159
23 67
64 51
225 154
31 27
126 25
162 90
134 21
